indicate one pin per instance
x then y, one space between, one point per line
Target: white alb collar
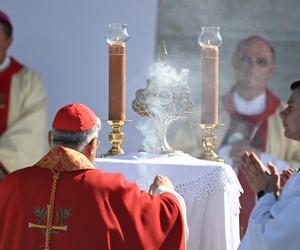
253 107
5 64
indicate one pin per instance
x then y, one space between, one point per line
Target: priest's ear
49 138
9 42
90 149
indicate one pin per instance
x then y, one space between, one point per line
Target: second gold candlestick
116 137
209 141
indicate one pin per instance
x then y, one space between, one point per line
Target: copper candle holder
117 37
210 40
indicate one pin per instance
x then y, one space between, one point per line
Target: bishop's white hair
75 139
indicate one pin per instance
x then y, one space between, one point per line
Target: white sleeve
273 225
224 152
281 165
162 189
265 158
24 141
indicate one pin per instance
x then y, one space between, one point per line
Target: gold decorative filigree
60 159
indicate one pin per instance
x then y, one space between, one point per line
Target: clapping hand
285 175
260 177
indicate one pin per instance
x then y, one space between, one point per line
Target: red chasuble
5 86
259 140
91 209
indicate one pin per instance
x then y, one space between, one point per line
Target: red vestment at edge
100 210
5 86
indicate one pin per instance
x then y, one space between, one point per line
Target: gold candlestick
209 142
116 137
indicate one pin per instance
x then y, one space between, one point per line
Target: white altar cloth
211 191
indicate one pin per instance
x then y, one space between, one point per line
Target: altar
210 189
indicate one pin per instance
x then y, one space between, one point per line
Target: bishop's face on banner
253 66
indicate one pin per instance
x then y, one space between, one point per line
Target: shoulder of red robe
74 117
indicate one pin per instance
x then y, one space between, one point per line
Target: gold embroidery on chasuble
60 221
61 159
58 160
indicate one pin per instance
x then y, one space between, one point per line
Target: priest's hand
285 175
160 180
260 177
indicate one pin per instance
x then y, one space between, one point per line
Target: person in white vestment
23 108
274 223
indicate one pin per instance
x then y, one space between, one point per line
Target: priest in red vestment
63 202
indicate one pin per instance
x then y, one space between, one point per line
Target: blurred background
65 41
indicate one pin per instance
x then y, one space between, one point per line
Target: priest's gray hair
75 139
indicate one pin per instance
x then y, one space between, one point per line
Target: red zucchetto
74 117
